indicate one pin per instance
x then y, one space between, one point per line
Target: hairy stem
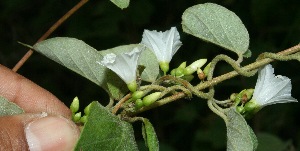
249 67
216 80
49 32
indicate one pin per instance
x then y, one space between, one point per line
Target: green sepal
132 86
164 66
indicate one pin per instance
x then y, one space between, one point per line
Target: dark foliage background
273 25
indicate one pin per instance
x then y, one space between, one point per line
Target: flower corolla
163 44
124 65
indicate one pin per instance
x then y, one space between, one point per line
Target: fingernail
51 133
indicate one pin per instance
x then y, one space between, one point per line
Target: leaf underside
105 131
81 58
216 24
9 108
240 136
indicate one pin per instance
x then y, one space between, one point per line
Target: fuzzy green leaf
105 131
216 24
240 136
149 135
9 108
82 59
121 3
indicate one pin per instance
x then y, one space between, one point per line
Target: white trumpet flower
163 44
124 65
270 89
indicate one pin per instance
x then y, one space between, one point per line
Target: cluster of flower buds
76 117
185 72
141 100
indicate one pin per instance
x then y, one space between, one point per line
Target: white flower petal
163 44
124 65
271 89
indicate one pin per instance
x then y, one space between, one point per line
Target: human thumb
37 132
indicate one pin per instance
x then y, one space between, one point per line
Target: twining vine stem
49 32
264 59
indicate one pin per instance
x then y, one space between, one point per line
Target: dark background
273 25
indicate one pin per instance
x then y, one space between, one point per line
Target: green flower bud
194 66
164 66
251 106
83 119
249 93
173 72
182 65
132 86
188 77
137 95
179 72
87 109
151 98
77 117
138 104
206 69
74 107
201 74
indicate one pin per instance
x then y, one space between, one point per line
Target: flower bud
194 66
87 109
207 69
77 117
74 107
201 74
251 106
179 72
188 77
138 104
83 119
137 95
182 65
151 98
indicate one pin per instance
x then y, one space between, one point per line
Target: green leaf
240 136
121 3
105 131
216 24
9 108
82 59
150 135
